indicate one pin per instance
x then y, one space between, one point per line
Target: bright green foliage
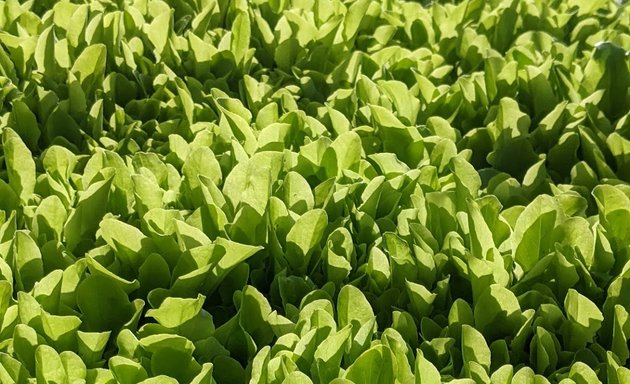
314 191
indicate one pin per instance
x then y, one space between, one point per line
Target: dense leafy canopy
314 191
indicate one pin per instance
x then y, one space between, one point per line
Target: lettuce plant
314 191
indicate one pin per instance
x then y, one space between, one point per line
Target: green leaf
25 342
49 220
59 162
89 67
83 221
467 180
24 123
28 266
20 165
201 163
45 53
297 194
91 346
231 255
159 30
104 304
60 329
621 333
503 375
584 314
474 347
586 7
174 312
344 153
241 32
353 307
497 312
129 243
421 299
373 366
253 314
481 241
425 371
249 182
329 354
353 17
50 367
532 234
403 141
608 70
614 207
127 371
304 236
581 373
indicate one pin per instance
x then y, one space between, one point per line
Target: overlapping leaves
315 191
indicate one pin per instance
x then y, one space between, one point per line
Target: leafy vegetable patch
314 191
